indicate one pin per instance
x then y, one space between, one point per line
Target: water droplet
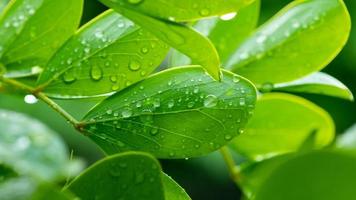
30 99
210 101
134 65
236 79
266 87
144 50
196 90
113 79
170 103
99 34
109 112
154 131
190 104
228 137
204 12
134 1
115 87
69 77
261 39
96 73
228 16
127 112
242 102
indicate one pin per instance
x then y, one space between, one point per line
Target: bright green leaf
144 116
30 148
129 176
32 30
225 32
179 36
317 83
302 38
280 124
172 190
181 10
106 55
322 175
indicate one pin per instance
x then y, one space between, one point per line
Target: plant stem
230 163
44 98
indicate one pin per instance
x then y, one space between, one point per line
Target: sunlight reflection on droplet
30 99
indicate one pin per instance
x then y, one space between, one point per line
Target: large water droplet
96 73
134 65
30 99
210 101
127 112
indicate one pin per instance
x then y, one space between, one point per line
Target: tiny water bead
134 1
134 65
126 113
96 73
266 87
210 101
69 77
236 79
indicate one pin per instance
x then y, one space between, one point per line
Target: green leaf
317 83
129 176
104 56
302 38
226 32
32 30
144 116
172 191
30 148
326 175
179 36
280 124
24 189
181 10
347 140
3 4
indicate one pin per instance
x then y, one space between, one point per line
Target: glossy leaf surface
144 116
172 190
106 55
32 30
280 124
302 38
129 176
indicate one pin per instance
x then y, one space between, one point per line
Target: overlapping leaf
177 113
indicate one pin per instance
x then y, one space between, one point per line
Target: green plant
221 68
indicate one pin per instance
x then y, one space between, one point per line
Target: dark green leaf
172 191
181 10
32 30
302 38
30 148
106 55
280 124
179 36
144 116
129 176
317 83
225 32
322 175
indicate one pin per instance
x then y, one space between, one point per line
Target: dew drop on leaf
96 73
210 101
127 112
236 79
134 65
204 12
69 77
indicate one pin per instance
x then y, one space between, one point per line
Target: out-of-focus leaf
3 4
106 55
225 32
129 176
179 36
144 116
172 191
326 175
30 148
181 10
32 30
280 124
302 38
317 83
348 139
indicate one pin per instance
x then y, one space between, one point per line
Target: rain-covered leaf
347 140
225 32
27 189
317 83
30 148
302 38
172 191
280 124
179 36
32 30
144 116
326 175
106 55
129 176
181 10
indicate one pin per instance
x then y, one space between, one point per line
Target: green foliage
119 62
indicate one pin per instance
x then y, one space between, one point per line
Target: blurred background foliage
205 177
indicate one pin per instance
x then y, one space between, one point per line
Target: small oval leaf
144 116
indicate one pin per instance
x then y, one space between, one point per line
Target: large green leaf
27 189
317 83
129 176
144 116
182 10
302 38
326 175
226 32
179 36
106 55
32 30
30 148
172 190
280 124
